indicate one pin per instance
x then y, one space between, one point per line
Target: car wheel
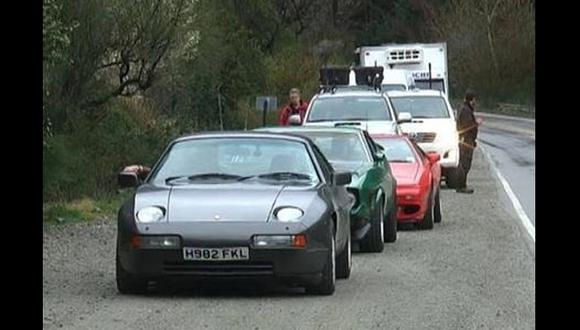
452 177
427 222
344 262
391 224
327 285
437 217
127 283
374 240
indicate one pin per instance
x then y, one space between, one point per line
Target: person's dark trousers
465 158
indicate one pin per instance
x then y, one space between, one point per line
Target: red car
418 177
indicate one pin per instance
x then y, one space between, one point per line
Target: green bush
86 161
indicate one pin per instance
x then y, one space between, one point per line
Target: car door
381 170
339 196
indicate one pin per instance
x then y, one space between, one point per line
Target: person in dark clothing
467 126
296 106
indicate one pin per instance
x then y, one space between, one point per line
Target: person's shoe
464 190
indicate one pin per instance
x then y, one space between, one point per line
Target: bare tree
141 38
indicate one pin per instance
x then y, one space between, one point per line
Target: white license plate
216 254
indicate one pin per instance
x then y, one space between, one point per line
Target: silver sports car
223 205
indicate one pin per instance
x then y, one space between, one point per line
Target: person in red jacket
296 106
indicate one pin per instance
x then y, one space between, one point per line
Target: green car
374 214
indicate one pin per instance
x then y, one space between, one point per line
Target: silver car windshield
361 108
233 159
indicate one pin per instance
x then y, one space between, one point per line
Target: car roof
415 92
350 92
243 134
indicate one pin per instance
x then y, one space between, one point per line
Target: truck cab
398 80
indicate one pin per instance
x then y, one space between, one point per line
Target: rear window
349 108
393 87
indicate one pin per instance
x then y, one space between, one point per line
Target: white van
427 117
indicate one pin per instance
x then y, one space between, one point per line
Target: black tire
127 283
374 240
327 284
390 235
427 222
437 215
452 175
344 260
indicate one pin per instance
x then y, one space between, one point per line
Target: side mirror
295 120
433 157
342 179
379 156
128 180
405 117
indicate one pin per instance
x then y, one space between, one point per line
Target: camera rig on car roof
333 77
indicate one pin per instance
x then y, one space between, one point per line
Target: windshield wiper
225 176
280 176
352 119
317 120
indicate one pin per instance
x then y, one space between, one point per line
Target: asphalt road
511 144
475 270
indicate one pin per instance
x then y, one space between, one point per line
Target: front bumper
300 265
411 205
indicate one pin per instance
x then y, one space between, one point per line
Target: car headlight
289 214
150 214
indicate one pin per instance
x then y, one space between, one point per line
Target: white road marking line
515 202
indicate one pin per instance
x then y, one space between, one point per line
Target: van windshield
421 106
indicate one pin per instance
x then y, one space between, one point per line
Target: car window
349 108
234 156
436 84
344 150
327 169
419 150
397 150
421 106
370 143
393 87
